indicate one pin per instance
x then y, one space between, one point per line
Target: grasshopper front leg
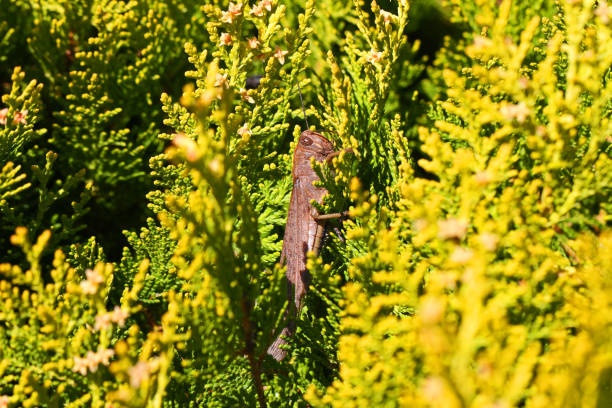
323 217
320 219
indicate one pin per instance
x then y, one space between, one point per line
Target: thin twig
250 352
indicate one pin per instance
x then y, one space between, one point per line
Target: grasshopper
305 227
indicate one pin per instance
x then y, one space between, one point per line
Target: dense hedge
144 191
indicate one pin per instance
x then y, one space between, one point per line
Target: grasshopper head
314 144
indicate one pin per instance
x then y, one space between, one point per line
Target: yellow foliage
482 301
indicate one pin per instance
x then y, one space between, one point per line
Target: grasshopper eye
306 141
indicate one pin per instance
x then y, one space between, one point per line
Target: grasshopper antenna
302 102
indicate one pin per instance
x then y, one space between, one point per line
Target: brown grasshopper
305 227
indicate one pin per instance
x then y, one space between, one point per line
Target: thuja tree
487 284
187 314
103 65
474 269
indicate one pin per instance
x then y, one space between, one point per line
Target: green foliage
18 116
142 212
59 353
481 257
104 65
27 194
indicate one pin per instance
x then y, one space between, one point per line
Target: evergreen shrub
145 184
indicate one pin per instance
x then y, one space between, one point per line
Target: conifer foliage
145 176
